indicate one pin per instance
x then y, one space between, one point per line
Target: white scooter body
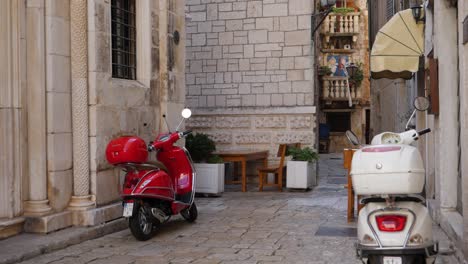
414 242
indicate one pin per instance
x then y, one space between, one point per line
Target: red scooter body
153 191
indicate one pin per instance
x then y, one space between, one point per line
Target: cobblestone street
252 227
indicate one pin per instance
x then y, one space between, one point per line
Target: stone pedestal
49 223
78 203
37 208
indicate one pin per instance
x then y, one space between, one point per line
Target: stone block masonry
249 73
247 47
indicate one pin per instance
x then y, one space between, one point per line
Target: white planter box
210 178
301 174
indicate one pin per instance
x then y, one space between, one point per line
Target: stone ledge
96 216
452 223
11 227
26 246
255 111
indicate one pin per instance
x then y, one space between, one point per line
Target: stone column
163 72
445 48
81 198
36 98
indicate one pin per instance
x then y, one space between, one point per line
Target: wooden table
243 156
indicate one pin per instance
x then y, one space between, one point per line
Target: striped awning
398 46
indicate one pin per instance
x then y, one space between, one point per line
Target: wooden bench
275 169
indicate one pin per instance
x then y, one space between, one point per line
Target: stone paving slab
251 227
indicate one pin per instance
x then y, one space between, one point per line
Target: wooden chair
276 169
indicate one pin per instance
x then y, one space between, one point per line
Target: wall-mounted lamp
351 69
417 11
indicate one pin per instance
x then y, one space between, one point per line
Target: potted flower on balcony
301 170
324 71
209 167
356 77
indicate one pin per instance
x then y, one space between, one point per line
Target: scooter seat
151 165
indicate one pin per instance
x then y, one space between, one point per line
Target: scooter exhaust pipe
159 214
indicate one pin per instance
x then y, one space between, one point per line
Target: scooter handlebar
186 132
424 131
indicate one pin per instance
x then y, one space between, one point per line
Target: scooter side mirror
421 103
352 138
186 113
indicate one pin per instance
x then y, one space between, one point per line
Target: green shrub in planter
201 147
213 159
305 154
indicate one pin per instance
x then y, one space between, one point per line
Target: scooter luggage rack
400 198
131 166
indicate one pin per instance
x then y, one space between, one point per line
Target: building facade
249 75
443 80
391 103
75 74
343 42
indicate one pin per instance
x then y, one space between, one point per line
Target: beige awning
397 47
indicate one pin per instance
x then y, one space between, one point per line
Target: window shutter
432 84
390 9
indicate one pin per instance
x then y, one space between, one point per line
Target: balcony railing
336 89
339 24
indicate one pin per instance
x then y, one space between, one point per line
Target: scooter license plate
392 260
128 209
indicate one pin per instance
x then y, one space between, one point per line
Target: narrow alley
252 227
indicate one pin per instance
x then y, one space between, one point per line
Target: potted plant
324 71
301 170
356 78
209 167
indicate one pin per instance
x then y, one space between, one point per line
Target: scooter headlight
416 240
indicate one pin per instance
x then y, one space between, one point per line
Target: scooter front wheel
141 223
190 214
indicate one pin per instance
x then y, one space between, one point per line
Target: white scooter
394 226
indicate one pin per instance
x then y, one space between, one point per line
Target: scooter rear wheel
190 214
141 223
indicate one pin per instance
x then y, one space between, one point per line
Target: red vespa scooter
154 191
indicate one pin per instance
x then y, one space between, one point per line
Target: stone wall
57 62
245 56
131 107
243 128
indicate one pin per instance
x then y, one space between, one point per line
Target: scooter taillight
391 223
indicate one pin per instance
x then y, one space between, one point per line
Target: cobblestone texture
252 227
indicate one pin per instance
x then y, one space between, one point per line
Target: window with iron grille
123 39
